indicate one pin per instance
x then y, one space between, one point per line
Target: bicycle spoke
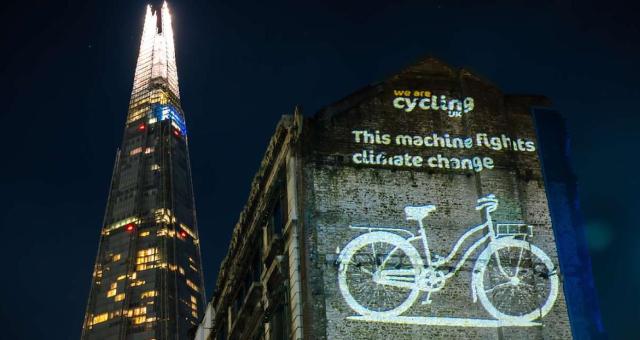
518 264
388 257
375 256
497 286
499 263
361 267
366 271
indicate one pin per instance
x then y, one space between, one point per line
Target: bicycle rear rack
514 229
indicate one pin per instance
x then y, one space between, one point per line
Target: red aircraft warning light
141 127
129 227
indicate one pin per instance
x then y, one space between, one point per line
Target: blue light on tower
168 111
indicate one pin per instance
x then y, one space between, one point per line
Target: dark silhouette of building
147 280
427 206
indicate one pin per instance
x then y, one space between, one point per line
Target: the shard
147 280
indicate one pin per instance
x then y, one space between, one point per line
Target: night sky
67 71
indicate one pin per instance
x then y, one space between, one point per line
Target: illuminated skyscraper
147 280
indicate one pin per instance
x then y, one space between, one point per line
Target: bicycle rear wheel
369 257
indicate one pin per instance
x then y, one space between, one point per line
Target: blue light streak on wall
168 111
568 226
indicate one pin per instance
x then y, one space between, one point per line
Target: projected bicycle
382 274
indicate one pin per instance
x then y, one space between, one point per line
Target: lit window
144 234
119 297
145 266
194 303
139 311
150 293
137 114
135 151
194 313
164 215
146 252
148 150
155 167
137 283
145 257
121 277
181 270
166 232
100 318
192 285
126 221
159 97
111 292
138 320
116 257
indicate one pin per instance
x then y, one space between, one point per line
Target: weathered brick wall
339 193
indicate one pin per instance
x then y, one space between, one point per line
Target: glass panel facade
139 287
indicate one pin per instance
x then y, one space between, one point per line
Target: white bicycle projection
381 273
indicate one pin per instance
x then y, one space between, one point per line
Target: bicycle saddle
418 213
489 201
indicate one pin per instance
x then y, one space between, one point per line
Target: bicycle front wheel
516 281
378 274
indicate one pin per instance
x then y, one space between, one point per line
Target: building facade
147 280
415 208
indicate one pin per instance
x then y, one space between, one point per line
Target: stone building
413 208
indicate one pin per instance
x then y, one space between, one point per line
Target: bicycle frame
491 236
402 277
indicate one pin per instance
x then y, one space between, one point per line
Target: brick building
413 208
